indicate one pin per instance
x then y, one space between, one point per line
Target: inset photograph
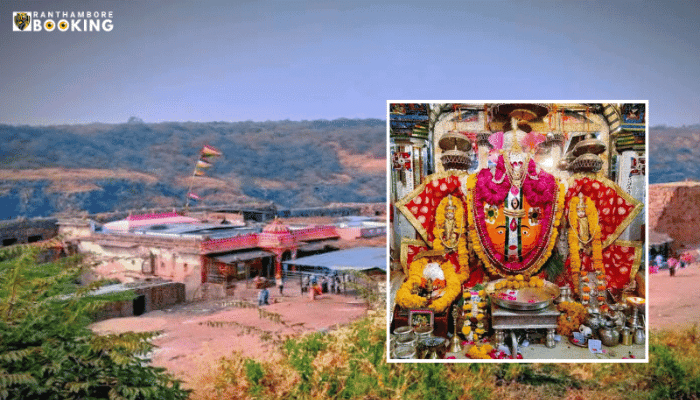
517 231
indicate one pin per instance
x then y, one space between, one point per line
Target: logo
22 20
62 21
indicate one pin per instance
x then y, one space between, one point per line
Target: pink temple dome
276 227
275 235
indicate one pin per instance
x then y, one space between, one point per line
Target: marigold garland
437 283
406 299
463 259
573 315
574 248
473 234
480 351
452 290
475 309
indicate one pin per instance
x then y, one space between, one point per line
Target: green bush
46 349
301 354
672 375
351 364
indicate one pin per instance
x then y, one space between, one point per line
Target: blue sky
260 60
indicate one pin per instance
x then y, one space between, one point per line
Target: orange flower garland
437 283
463 259
406 299
574 247
473 234
452 290
474 309
573 315
574 255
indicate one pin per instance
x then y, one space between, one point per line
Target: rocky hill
673 210
674 154
108 167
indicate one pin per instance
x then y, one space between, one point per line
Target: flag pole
206 151
189 189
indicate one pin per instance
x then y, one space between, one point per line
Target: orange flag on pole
203 164
210 151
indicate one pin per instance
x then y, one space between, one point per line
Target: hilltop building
204 256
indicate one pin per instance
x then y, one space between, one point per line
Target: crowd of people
314 284
673 263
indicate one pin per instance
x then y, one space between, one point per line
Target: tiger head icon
22 20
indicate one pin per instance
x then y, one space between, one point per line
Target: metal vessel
608 335
523 299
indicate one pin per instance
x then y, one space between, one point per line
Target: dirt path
195 336
674 302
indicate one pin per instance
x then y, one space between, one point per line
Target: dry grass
65 180
364 163
350 363
206 182
73 175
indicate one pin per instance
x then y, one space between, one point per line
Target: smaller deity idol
450 238
429 289
434 281
584 235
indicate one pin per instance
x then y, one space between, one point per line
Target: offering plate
528 298
637 302
575 343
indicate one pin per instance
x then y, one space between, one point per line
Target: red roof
142 217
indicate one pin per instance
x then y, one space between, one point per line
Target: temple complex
206 253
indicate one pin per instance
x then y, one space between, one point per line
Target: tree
46 348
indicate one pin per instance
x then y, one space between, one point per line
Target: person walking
312 291
337 284
331 284
305 283
672 264
263 297
280 283
660 262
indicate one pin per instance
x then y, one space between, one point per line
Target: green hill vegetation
105 167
